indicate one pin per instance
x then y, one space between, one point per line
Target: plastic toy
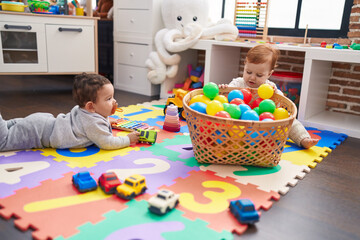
177 101
235 94
237 101
211 90
267 105
39 6
266 115
223 114
355 46
127 125
244 107
163 202
250 115
13 6
244 211
221 98
280 113
234 111
256 103
84 182
199 98
213 107
132 187
199 106
147 136
108 182
172 122
247 95
265 91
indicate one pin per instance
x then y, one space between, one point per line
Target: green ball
257 110
211 90
226 105
234 111
267 105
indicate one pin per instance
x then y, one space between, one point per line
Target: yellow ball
213 107
221 98
265 91
199 98
280 113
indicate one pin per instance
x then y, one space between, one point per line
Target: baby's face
256 74
105 101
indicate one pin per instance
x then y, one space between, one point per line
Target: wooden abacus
251 19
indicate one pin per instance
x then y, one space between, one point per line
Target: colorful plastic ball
213 107
250 115
244 107
199 106
268 120
237 101
223 114
280 113
266 115
234 111
267 105
265 91
211 90
256 103
235 94
199 98
221 98
225 105
257 110
247 95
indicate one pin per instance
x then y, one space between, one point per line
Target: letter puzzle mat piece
27 169
158 170
136 222
57 203
86 157
205 196
274 179
138 113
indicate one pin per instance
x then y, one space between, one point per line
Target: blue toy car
84 182
244 211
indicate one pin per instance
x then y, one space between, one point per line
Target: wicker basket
232 141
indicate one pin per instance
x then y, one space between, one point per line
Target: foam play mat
36 186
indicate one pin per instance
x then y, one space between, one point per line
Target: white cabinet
47 44
135 25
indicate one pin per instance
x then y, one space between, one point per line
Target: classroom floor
324 205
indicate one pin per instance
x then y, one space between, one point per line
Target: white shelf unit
61 44
135 26
222 65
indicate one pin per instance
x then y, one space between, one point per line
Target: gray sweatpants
32 131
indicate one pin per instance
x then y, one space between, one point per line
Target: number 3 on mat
219 200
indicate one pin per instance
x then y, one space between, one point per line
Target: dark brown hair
86 86
263 53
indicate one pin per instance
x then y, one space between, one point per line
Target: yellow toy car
177 100
132 187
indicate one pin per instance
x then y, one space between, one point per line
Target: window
325 18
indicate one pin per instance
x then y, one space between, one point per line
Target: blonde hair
263 53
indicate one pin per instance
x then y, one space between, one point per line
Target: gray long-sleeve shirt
76 129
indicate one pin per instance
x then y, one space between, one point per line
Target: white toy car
163 202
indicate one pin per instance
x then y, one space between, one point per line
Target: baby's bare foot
309 142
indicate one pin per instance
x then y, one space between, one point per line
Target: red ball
247 95
237 101
256 103
223 114
265 115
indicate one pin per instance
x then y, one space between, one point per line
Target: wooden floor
324 205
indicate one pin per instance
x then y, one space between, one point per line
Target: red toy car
108 182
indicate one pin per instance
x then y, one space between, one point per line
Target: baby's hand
113 121
134 137
223 86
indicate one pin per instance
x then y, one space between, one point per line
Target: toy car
147 136
84 182
244 211
163 202
132 186
108 182
177 100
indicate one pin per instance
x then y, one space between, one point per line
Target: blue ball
235 94
199 106
250 115
244 107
